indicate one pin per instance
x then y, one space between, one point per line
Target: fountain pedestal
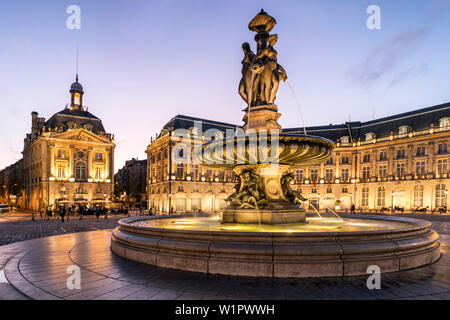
275 207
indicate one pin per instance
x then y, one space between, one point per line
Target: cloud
409 72
386 58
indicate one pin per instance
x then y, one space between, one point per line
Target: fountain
264 230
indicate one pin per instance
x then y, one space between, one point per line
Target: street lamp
392 201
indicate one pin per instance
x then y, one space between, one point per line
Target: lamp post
392 202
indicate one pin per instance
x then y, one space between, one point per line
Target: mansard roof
78 117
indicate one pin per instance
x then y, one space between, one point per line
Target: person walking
352 210
62 213
150 212
97 213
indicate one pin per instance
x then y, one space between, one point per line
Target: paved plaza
37 269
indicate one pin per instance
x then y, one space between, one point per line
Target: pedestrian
150 212
62 213
97 213
353 209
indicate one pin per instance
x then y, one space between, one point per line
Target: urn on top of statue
261 75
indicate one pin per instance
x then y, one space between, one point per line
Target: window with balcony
383 155
366 173
80 171
420 168
180 171
344 174
61 171
442 166
382 171
98 173
195 172
400 170
329 175
299 176
313 175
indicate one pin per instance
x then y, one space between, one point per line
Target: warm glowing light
90 180
72 179
306 181
108 180
173 177
188 178
337 180
322 181
51 178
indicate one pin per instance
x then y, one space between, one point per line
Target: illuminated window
366 157
401 153
366 172
420 168
400 169
442 148
381 200
98 173
418 196
313 175
76 99
345 139
404 130
180 171
382 171
98 156
442 166
441 197
299 176
80 170
444 122
62 154
195 172
370 136
365 197
61 171
344 160
329 175
344 174
420 151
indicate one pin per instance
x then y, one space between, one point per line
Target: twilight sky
144 61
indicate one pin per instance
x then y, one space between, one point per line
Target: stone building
185 187
68 159
130 182
398 162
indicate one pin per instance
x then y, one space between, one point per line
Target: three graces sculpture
261 73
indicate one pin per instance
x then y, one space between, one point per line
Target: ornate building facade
399 162
68 159
131 182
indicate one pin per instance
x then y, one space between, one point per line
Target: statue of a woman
270 75
246 86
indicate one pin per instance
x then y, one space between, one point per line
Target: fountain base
278 213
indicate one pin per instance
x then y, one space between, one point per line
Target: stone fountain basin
409 244
292 150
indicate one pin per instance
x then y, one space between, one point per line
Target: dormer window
444 122
88 127
404 130
345 139
62 154
71 125
370 136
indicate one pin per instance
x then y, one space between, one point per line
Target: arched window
381 197
441 197
418 196
80 171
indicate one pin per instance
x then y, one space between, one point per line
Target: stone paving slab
37 269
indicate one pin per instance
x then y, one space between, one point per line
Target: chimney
34 125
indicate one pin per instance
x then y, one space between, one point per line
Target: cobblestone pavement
37 270
17 226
